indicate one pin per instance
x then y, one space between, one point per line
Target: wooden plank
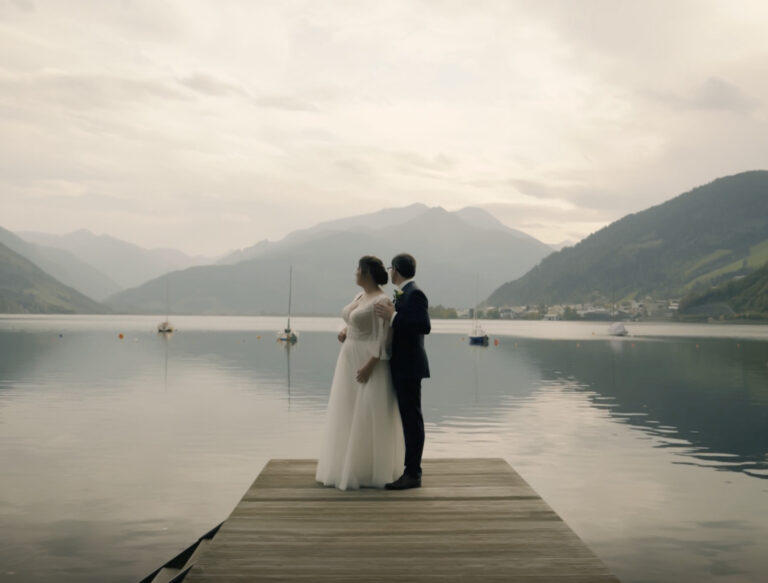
427 492
474 520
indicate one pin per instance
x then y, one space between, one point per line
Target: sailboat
616 328
477 337
287 335
165 327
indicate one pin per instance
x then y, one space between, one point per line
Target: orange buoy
496 342
120 336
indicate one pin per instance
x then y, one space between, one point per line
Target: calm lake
117 453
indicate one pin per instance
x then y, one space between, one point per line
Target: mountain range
696 240
462 256
358 223
711 235
125 264
64 266
25 288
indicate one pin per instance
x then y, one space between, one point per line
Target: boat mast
475 324
290 293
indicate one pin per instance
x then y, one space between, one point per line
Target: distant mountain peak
436 210
479 217
376 220
126 264
416 215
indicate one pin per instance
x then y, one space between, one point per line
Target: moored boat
288 336
165 327
617 329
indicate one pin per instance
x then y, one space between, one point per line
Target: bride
363 444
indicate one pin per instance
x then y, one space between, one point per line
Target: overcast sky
207 125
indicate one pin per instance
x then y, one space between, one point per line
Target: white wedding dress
363 443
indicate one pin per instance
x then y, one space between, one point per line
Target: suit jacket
410 324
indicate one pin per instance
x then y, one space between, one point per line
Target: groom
410 322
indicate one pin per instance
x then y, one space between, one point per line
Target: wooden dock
473 520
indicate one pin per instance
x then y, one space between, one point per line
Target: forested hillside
741 298
687 244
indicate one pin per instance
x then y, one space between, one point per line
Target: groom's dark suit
409 365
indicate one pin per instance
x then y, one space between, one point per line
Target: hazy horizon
229 251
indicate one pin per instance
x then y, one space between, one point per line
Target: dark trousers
409 401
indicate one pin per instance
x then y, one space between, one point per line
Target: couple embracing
374 432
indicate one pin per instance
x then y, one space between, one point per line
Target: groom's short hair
405 265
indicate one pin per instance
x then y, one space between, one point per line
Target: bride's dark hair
373 266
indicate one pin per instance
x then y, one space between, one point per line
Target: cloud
286 102
712 94
57 89
719 94
24 5
353 166
536 189
439 166
212 86
550 225
209 85
561 114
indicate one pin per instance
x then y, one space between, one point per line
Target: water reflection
118 452
705 398
166 338
301 373
287 348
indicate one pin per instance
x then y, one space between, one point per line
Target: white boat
288 336
617 329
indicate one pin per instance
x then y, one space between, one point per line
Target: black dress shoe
404 482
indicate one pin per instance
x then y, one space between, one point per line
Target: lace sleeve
381 337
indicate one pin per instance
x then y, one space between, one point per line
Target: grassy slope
746 297
25 288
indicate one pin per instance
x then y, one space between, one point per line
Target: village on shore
648 309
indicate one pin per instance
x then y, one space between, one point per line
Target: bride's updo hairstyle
370 265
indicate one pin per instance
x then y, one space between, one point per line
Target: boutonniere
398 294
